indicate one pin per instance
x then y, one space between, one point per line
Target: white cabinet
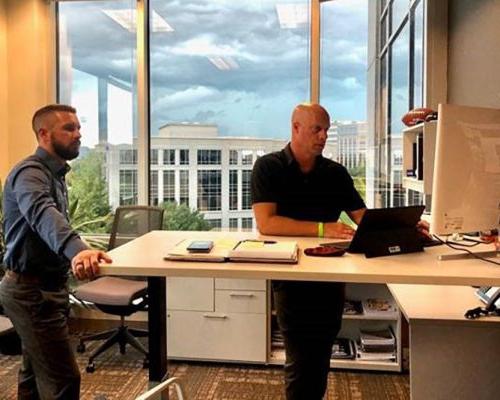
217 319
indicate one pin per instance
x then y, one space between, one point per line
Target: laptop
385 232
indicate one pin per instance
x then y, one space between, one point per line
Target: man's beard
66 153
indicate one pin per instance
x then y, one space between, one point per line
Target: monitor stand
456 237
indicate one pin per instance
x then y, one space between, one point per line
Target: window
246 157
128 187
233 223
168 186
233 189
153 196
233 157
102 91
184 187
246 223
168 157
246 197
214 223
209 190
401 88
153 157
209 157
128 157
184 157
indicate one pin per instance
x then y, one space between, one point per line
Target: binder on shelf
343 349
249 250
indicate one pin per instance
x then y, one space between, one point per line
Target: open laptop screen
386 231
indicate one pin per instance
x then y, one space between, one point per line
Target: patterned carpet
121 377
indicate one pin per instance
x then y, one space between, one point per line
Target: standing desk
144 257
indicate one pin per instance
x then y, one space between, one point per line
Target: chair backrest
131 222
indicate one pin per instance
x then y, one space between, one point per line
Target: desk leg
157 324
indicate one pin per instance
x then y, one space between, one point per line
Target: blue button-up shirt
39 239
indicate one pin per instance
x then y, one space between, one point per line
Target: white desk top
144 256
447 304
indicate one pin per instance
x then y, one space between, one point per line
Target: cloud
273 71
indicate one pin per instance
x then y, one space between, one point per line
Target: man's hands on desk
85 265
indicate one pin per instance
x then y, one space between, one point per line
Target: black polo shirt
320 195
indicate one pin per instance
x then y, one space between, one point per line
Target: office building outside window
128 157
246 157
153 157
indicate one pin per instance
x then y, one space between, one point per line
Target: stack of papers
265 250
244 250
377 345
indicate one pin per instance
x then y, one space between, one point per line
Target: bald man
298 192
40 248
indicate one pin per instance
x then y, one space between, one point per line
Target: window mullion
143 120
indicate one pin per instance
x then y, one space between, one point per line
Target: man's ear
42 135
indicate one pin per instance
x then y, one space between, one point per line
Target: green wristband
321 229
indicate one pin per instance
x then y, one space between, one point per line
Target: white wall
474 53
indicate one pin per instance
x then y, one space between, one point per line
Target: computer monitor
466 181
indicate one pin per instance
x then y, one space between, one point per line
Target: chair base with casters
123 336
154 392
114 296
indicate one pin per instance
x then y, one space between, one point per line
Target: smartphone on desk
200 246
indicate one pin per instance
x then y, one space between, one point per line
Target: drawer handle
241 294
215 316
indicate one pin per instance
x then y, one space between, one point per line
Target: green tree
182 218
88 195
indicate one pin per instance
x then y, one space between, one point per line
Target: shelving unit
419 142
351 326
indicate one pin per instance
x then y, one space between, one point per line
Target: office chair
118 296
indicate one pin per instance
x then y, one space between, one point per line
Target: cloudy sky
224 62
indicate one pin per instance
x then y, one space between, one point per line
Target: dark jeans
40 316
309 316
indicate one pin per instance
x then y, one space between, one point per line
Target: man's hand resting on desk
423 228
338 230
86 263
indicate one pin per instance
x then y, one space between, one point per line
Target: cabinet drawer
240 284
216 336
240 301
192 294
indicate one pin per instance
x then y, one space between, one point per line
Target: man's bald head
45 116
307 111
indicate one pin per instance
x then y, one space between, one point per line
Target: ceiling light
292 15
127 18
223 63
